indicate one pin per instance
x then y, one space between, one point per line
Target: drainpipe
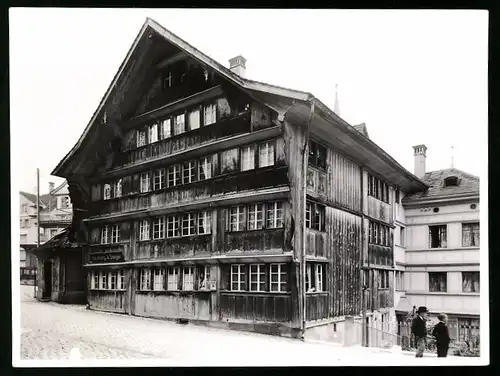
304 190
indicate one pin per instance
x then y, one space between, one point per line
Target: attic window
451 181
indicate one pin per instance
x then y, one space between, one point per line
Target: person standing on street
442 335
418 328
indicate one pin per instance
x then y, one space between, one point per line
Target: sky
414 76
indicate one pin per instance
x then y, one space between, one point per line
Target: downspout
304 190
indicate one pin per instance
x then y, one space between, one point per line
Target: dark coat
418 327
441 333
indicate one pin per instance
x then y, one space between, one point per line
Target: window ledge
256 292
109 290
317 293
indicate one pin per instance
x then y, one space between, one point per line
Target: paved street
51 331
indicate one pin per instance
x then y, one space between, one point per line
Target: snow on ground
50 331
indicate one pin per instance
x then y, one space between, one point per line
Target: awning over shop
404 305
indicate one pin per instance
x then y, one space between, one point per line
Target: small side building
60 277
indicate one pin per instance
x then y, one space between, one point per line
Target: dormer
451 181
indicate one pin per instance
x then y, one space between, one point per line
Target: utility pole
37 220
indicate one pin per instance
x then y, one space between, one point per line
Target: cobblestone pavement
51 331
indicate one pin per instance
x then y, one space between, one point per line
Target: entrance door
47 279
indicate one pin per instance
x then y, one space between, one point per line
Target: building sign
106 257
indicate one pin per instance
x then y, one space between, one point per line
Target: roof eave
408 202
365 140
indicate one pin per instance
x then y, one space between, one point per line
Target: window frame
175 275
440 233
145 279
205 163
158 279
188 284
472 274
435 274
144 230
269 146
472 233
161 228
241 280
144 182
247 158
240 216
115 234
159 179
260 284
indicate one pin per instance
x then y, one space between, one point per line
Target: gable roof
468 184
361 128
28 196
253 88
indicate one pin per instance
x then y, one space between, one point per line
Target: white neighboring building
437 247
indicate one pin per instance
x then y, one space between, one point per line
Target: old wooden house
204 196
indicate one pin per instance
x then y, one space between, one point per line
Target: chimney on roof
51 186
419 154
237 65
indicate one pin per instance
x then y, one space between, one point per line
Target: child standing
442 335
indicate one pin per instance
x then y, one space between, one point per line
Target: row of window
382 281
174 278
256 216
438 282
187 224
259 277
378 189
110 234
200 169
241 218
379 234
104 280
438 235
177 124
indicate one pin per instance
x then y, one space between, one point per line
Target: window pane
194 119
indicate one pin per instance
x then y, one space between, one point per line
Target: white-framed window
141 138
153 133
237 218
94 284
188 224
188 278
319 277
115 234
144 182
266 154
173 226
159 228
204 222
145 279
278 277
257 277
255 216
194 119
210 114
179 124
112 280
204 277
238 277
117 188
165 129
437 236
174 175
173 278
248 158
107 191
105 234
188 172
205 168
104 280
315 277
158 279
144 229
315 216
274 214
121 280
159 179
